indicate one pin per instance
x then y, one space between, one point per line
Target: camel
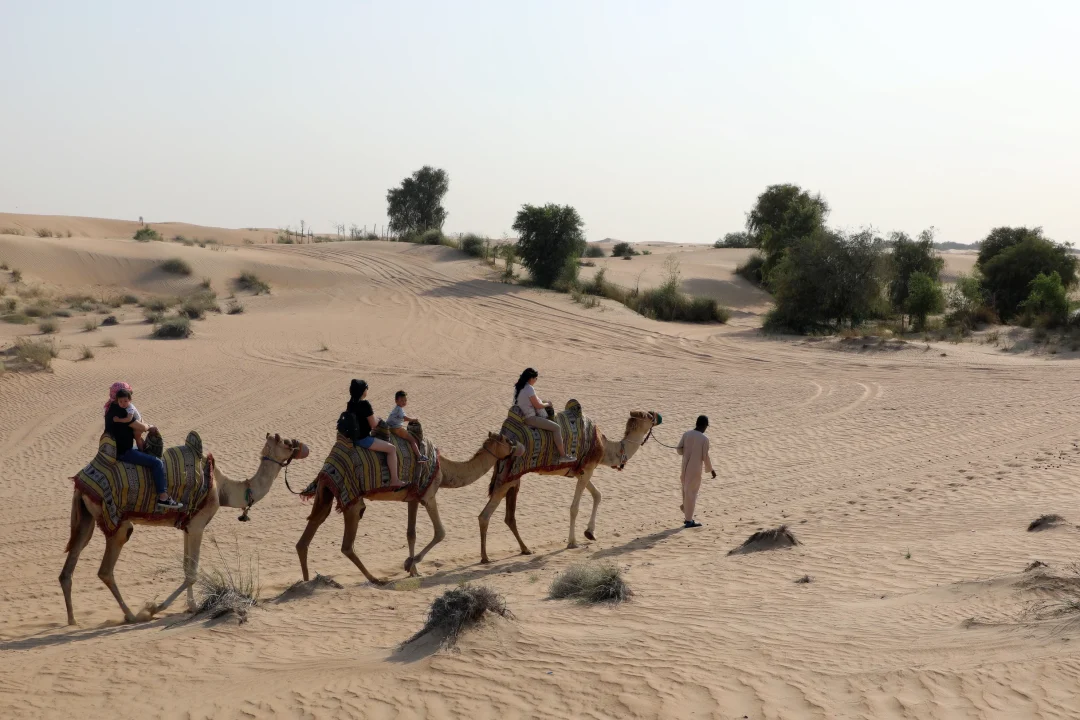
615 455
86 512
450 474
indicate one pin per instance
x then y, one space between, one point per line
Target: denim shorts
366 442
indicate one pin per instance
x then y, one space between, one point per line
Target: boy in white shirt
396 422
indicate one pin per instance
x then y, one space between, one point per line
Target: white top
134 413
523 402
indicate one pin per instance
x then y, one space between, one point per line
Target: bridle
622 447
249 497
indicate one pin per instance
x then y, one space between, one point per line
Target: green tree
966 302
623 249
907 258
924 297
1003 238
735 240
782 215
1048 302
1007 275
547 236
416 205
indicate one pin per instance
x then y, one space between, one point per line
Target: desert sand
909 476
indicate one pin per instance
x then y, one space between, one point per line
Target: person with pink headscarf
121 424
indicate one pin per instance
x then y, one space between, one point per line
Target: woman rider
367 421
534 411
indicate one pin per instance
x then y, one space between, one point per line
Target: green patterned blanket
579 432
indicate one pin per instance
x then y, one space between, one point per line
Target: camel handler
694 448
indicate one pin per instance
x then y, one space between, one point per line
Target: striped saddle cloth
352 472
126 491
579 433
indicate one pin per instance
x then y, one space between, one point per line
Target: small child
120 423
396 422
137 426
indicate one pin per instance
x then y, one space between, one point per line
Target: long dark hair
357 388
526 376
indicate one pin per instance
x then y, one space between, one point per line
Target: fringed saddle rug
579 432
352 473
126 491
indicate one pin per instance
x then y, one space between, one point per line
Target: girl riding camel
365 416
531 407
122 424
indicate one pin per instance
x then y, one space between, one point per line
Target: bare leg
81 531
485 517
324 501
511 517
113 546
589 531
410 534
390 450
433 512
572 542
352 522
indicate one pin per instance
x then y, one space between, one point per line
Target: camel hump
194 443
573 408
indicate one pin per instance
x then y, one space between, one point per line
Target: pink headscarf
112 393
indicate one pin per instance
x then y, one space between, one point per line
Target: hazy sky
657 121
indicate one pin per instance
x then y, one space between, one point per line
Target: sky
658 121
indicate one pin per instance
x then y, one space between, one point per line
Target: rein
249 498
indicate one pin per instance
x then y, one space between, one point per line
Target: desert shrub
547 236
11 231
90 325
460 608
599 285
594 251
735 240
129 299
253 283
664 304
16 276
1010 258
1048 301
591 583
579 296
196 306
907 258
966 304
86 353
153 317
17 319
174 327
568 276
922 298
623 249
158 304
235 307
36 353
110 320
230 587
10 304
108 343
474 245
39 309
47 327
3 289
44 232
176 266
146 234
751 269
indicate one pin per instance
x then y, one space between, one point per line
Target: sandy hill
909 478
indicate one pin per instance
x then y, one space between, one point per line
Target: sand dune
909 479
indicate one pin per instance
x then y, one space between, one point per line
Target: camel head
283 451
502 447
638 429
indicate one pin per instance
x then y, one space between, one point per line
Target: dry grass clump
230 588
306 588
171 328
146 234
110 320
804 580
591 583
16 276
159 304
17 319
235 307
1045 522
779 537
176 266
253 283
196 306
86 353
459 609
39 309
36 353
90 325
108 343
47 327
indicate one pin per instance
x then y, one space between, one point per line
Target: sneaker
168 505
422 458
691 524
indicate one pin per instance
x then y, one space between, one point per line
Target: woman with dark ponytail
366 422
531 407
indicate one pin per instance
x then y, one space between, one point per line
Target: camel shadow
645 542
476 571
49 638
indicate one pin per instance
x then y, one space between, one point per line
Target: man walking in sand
694 448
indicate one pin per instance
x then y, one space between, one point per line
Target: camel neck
232 493
459 474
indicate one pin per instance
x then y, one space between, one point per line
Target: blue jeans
157 468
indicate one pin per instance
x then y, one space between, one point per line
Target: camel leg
433 512
581 482
410 534
352 522
589 531
189 577
113 546
82 529
485 516
324 502
511 517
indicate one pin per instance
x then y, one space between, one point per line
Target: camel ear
267 436
277 437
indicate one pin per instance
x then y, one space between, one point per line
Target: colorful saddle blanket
351 472
125 490
579 432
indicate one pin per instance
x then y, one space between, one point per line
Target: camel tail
78 510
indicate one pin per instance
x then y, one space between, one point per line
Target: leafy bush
623 249
751 269
547 236
591 583
474 245
174 327
1011 258
568 276
252 282
176 266
735 240
923 297
966 303
907 258
669 303
47 327
1048 302
146 234
599 285
594 251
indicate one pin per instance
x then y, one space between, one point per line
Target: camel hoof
526 551
589 535
409 563
571 545
484 561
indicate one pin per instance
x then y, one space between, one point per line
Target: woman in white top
534 411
